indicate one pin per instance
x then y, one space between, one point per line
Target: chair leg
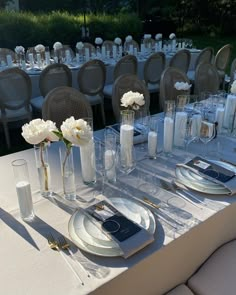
7 136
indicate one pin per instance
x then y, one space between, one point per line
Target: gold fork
54 245
64 245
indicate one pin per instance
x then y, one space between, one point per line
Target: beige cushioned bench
215 277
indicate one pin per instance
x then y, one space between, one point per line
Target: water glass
126 158
23 189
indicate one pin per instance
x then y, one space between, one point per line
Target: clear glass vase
87 160
41 157
68 173
126 137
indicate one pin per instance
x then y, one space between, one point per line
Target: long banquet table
29 266
34 75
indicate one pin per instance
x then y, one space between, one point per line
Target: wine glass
207 133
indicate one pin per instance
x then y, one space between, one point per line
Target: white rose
79 45
117 41
233 87
78 132
182 86
57 46
147 36
132 99
129 38
39 48
158 36
172 36
38 131
98 41
19 49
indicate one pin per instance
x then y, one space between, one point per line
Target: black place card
210 169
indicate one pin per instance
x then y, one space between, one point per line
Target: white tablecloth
29 266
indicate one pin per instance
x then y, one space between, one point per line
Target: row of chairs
16 91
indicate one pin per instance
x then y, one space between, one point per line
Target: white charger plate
201 184
88 237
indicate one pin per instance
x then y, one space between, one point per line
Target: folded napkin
212 171
129 236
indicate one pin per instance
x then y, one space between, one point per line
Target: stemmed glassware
207 133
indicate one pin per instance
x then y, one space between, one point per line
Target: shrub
27 29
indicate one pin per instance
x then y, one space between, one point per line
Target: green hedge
27 29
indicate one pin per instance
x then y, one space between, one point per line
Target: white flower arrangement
117 41
182 86
38 131
133 100
39 48
79 45
57 46
233 87
128 38
147 36
172 36
19 50
158 36
98 41
77 132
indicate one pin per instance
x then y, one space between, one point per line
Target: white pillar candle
168 134
230 108
86 54
39 61
142 48
25 199
31 59
180 128
131 49
196 125
219 118
9 60
110 165
47 58
103 52
152 143
87 158
77 58
126 142
114 51
173 45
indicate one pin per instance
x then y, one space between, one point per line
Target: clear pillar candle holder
23 189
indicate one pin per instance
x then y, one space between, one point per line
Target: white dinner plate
197 186
193 177
88 237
